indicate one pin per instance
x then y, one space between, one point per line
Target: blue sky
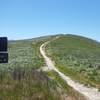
32 18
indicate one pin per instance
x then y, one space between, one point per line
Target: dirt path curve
89 93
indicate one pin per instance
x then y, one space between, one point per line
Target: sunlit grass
77 57
19 79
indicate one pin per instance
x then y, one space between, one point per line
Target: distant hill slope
78 57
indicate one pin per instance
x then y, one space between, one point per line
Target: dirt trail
89 93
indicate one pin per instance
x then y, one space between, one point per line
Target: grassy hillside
19 79
22 79
78 57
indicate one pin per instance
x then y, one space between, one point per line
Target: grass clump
66 91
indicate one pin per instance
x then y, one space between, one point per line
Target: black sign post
3 50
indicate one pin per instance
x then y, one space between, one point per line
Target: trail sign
3 57
3 44
3 50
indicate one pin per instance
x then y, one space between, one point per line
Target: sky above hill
32 18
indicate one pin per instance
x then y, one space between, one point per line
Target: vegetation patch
71 94
77 57
19 79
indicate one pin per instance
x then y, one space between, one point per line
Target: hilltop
77 57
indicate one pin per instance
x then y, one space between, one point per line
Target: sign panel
3 50
3 57
3 44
